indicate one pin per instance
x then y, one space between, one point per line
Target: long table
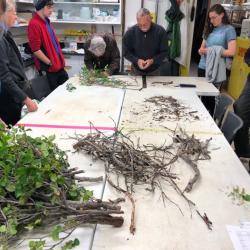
202 86
163 226
65 113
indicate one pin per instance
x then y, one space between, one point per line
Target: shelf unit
87 12
237 12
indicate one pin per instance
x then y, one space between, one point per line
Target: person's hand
202 51
31 105
149 62
141 64
105 74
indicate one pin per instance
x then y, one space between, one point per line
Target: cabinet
73 64
91 12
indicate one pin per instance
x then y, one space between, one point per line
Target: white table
203 87
134 117
75 110
160 227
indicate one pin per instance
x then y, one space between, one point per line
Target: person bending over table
14 85
242 109
222 37
145 45
101 52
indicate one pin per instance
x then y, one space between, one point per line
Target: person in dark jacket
101 52
45 46
145 45
242 109
13 80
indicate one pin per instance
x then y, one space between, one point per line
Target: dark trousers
10 111
57 78
242 109
208 101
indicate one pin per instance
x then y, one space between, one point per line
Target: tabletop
173 225
201 86
76 109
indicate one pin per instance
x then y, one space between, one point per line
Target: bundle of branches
148 165
98 77
167 107
37 185
191 149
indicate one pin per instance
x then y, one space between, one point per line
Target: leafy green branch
98 77
37 186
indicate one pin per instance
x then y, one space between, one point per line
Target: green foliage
32 172
55 232
77 193
71 244
37 245
70 87
26 163
239 195
98 77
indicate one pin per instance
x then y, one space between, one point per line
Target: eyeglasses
213 17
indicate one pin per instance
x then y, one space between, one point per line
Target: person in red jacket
45 46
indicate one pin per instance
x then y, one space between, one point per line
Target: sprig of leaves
98 77
239 194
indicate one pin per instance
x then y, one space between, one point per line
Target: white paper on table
80 51
240 236
245 224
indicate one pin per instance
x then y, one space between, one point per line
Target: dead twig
206 220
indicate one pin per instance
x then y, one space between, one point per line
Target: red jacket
40 39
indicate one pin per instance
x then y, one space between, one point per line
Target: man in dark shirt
145 45
101 52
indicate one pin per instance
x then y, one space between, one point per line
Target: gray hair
97 45
10 5
142 12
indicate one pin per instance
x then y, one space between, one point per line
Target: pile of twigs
190 149
148 165
169 108
37 186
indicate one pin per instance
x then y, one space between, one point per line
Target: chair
222 103
230 125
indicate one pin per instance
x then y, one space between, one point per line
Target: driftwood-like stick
132 227
89 179
206 220
196 176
